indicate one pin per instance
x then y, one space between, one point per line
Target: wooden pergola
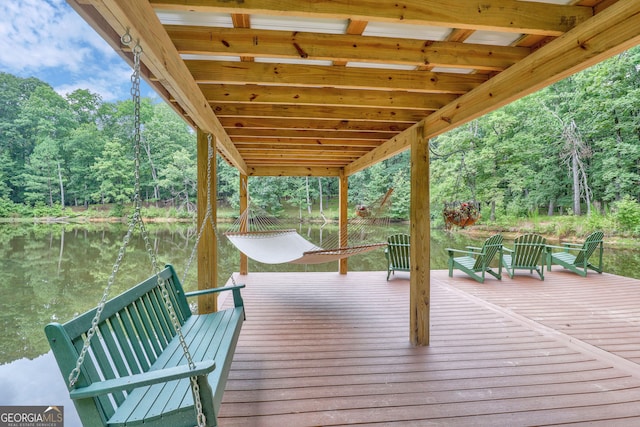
331 87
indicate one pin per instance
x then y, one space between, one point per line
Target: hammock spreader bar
287 246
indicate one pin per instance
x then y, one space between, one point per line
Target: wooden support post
208 245
244 204
420 279
343 190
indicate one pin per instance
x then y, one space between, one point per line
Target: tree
84 105
180 178
84 144
42 177
114 172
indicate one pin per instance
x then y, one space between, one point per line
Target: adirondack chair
528 253
397 253
477 260
578 261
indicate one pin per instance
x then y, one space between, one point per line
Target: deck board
323 349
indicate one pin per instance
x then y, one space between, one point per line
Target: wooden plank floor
321 349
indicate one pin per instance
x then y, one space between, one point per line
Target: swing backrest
134 329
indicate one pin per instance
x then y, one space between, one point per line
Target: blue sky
47 39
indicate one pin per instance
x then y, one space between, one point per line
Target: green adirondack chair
476 261
528 253
578 261
397 253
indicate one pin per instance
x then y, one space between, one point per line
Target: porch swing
460 213
142 358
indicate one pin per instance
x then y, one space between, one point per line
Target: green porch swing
142 358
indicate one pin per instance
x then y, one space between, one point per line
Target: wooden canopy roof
295 87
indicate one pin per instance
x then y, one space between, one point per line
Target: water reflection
55 272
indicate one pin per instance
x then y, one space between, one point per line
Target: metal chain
136 219
208 218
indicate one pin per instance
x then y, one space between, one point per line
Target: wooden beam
319 112
207 72
490 15
290 135
244 204
343 48
420 275
207 245
291 95
311 162
612 31
343 218
311 123
163 61
293 171
306 144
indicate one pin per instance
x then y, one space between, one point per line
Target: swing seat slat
136 371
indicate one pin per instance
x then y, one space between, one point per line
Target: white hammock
263 238
287 246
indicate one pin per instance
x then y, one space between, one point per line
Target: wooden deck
321 349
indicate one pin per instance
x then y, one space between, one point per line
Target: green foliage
516 161
627 214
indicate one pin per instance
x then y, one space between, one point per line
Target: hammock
262 238
287 246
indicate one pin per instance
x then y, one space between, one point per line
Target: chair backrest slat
590 244
490 247
399 250
527 249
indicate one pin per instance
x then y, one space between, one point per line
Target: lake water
55 272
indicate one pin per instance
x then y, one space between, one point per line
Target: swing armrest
143 379
214 290
237 297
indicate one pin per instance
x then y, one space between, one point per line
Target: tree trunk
320 191
154 174
308 198
575 172
61 186
551 208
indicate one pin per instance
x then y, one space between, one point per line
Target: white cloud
47 39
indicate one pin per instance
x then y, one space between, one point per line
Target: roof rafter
345 48
254 94
339 77
491 15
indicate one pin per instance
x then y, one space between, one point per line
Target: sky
47 39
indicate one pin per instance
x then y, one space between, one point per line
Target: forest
572 148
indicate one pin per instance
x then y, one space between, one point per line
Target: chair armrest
572 244
473 248
451 251
564 248
143 379
504 248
